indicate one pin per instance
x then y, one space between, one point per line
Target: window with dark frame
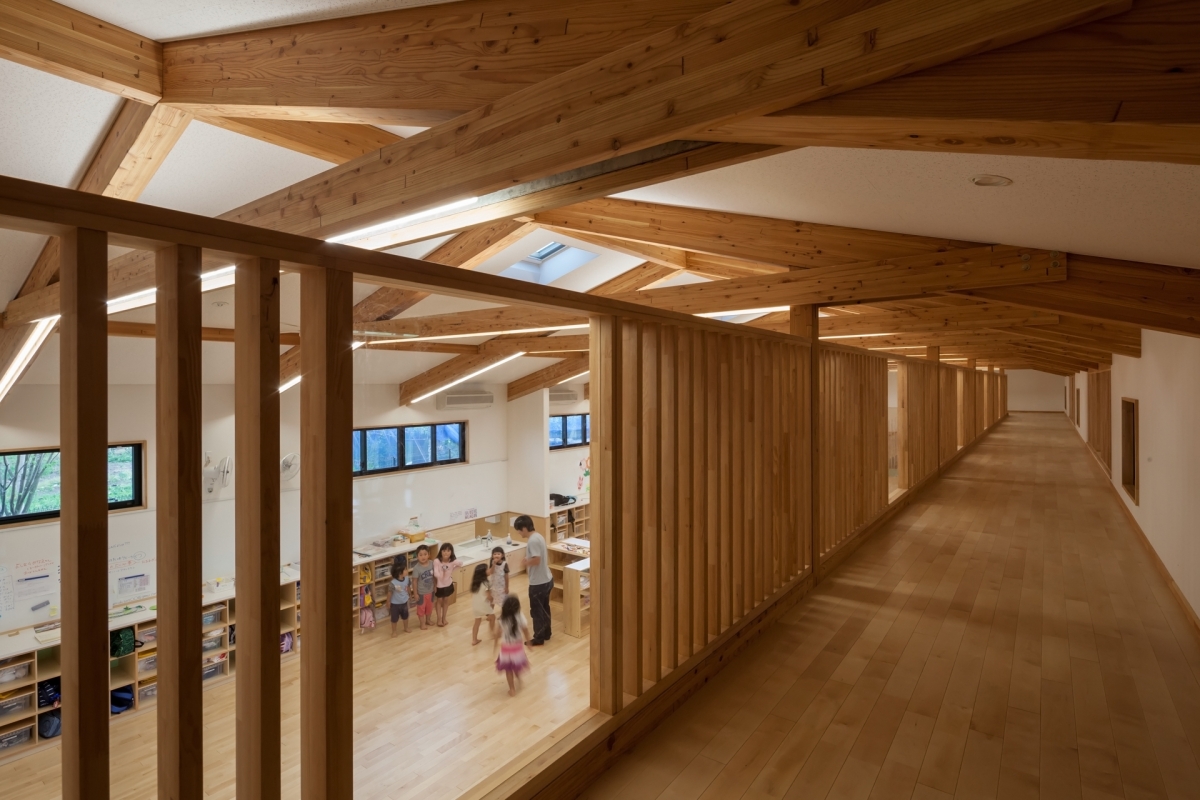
570 430
31 482
381 450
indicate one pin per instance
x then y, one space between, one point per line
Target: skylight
543 254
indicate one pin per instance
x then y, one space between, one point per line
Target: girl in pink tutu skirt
511 634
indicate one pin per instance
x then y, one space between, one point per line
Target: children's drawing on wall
584 484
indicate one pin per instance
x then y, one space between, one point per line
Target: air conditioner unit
464 398
560 395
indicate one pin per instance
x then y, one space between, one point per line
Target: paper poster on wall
130 567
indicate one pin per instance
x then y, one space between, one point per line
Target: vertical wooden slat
725 567
631 522
903 456
256 510
669 500
326 421
737 508
178 454
712 483
651 491
685 469
83 392
699 493
606 410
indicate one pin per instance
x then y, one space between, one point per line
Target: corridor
1005 636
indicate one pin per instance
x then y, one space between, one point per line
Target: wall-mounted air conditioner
560 395
458 399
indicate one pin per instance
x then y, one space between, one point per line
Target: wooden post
178 455
805 322
256 509
933 353
83 392
326 517
607 361
903 461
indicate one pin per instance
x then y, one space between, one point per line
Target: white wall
1166 383
439 496
529 443
1031 390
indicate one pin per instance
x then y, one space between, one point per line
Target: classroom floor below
431 718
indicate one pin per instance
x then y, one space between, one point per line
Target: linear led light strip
296 380
209 281
400 222
573 377
466 378
41 330
469 335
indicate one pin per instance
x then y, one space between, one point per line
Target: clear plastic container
212 615
211 672
15 705
15 738
210 644
148 663
148 692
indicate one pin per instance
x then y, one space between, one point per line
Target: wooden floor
1006 636
431 718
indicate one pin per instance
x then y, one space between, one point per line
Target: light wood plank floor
1007 636
431 718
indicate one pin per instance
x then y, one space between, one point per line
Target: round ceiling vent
991 180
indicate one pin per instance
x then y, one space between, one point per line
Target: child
511 634
443 569
422 576
399 589
366 610
481 601
498 577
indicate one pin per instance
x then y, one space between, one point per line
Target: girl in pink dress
511 634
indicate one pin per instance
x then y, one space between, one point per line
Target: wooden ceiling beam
889 278
1123 88
536 345
743 58
328 141
550 376
747 238
73 45
937 319
483 322
637 278
146 330
410 66
1106 290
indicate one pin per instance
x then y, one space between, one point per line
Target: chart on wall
30 581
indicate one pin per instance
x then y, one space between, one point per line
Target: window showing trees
378 450
31 482
570 430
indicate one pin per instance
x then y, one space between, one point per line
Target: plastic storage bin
211 672
15 705
148 636
15 738
212 615
13 672
147 663
210 644
147 692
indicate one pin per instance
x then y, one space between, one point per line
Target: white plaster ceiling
211 170
49 129
1116 209
165 20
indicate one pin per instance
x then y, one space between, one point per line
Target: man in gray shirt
541 580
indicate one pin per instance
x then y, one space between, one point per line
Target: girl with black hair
510 636
481 601
443 573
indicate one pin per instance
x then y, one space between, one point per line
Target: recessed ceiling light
991 180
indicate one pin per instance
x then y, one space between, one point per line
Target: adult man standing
541 581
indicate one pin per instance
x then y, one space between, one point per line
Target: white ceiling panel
1116 209
211 170
50 128
180 19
